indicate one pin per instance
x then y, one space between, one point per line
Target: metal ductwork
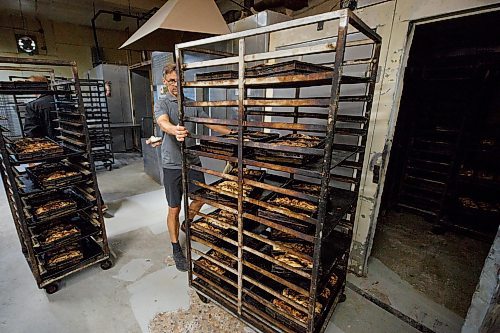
260 5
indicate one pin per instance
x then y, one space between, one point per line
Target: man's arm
220 129
31 122
180 132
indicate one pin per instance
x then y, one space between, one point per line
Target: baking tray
268 297
228 149
23 85
27 187
258 174
37 200
293 67
226 200
45 257
293 223
276 156
280 270
339 203
220 75
57 150
82 223
90 249
208 237
201 269
39 172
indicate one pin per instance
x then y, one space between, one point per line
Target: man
167 118
39 118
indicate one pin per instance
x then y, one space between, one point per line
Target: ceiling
81 11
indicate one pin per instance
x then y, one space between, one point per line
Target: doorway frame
384 157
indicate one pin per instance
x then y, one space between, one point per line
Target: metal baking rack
23 190
97 113
254 289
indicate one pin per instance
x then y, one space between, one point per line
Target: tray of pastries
218 222
29 148
218 75
53 174
202 265
48 206
62 257
54 207
61 231
228 149
281 252
224 187
57 233
322 299
297 140
253 174
292 67
300 208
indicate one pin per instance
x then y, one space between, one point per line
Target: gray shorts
172 181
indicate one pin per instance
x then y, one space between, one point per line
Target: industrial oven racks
24 193
250 282
96 109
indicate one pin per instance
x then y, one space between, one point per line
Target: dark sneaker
180 261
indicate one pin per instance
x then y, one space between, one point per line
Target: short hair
38 78
169 68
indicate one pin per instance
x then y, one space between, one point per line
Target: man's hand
180 132
154 141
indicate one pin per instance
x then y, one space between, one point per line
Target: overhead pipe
116 17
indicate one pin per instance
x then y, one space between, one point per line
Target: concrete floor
445 267
143 283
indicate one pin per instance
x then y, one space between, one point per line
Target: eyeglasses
172 82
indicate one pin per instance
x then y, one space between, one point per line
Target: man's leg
173 223
173 231
173 191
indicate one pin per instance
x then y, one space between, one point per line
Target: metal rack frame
334 156
97 113
68 100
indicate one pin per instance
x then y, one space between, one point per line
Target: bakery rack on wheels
51 184
277 233
96 110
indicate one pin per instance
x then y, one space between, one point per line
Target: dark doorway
441 201
141 99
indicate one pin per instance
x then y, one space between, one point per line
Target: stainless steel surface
119 107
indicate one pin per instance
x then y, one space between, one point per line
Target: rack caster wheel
105 265
342 298
109 167
203 299
51 288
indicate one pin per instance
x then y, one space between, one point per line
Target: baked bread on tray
59 232
54 206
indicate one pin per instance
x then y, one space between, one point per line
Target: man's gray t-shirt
170 147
